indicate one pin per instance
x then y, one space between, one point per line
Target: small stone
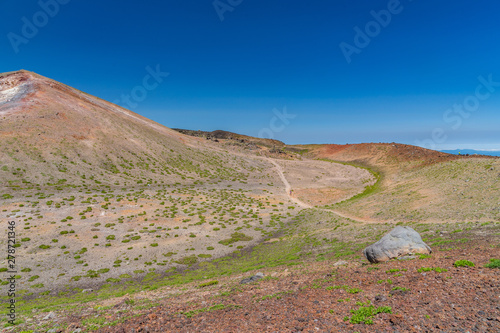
340 263
51 315
252 278
407 258
71 328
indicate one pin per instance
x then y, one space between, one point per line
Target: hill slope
53 133
418 184
80 175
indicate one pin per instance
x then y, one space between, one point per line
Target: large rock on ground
399 242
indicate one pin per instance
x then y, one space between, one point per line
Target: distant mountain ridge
471 152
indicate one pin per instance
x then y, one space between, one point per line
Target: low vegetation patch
494 263
365 313
207 284
236 237
463 263
430 269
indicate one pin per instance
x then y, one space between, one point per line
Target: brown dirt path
302 204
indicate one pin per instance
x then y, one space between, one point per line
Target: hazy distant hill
472 152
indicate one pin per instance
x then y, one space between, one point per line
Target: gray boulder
254 278
399 242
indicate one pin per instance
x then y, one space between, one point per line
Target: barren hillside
417 184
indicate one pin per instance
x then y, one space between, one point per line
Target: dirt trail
302 204
279 169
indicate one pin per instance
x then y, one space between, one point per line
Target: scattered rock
285 273
380 298
398 242
398 292
253 278
408 257
340 263
73 327
51 315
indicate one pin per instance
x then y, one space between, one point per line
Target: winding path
288 187
302 204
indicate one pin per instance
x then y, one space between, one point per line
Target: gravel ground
318 296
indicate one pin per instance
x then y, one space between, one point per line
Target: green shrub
210 283
113 280
430 269
364 314
235 237
463 263
92 274
204 255
353 290
191 260
494 263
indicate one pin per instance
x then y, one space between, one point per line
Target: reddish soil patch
384 154
456 300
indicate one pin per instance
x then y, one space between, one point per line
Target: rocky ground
324 296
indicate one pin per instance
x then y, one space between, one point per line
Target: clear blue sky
230 74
